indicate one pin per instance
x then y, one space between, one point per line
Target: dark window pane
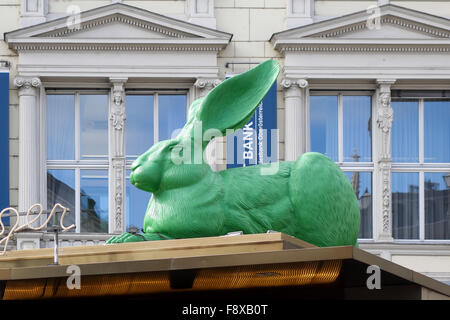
139 136
60 127
437 206
405 131
94 200
172 115
362 185
405 205
437 131
136 205
61 189
357 128
94 126
324 125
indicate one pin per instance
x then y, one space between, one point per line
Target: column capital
206 83
385 84
26 83
287 83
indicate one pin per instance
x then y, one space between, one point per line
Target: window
77 136
151 118
77 157
421 160
341 128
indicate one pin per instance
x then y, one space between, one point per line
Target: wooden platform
214 268
150 250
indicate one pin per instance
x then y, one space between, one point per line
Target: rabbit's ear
231 104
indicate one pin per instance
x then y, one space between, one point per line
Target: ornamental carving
290 83
385 117
118 167
206 85
27 83
385 168
117 115
385 112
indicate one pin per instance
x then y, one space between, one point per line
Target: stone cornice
132 14
391 14
169 32
362 47
118 45
391 20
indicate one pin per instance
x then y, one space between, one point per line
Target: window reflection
405 131
136 204
139 134
61 189
94 200
60 127
405 205
171 114
437 206
362 185
324 125
94 126
357 128
437 131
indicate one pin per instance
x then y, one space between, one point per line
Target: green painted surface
310 198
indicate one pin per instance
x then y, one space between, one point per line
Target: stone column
29 155
384 116
28 142
213 154
117 156
295 103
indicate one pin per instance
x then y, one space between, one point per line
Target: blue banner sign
257 142
4 142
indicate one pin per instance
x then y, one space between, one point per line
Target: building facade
92 84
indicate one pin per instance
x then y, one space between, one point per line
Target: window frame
77 164
344 165
421 167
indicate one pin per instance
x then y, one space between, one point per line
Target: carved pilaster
384 117
29 167
117 118
295 102
118 191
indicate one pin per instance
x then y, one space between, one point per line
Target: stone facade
261 30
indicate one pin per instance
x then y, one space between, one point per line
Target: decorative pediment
388 27
117 26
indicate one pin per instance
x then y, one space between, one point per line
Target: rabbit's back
256 201
324 202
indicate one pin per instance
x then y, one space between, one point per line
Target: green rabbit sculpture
310 198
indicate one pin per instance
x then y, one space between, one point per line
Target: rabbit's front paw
125 237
